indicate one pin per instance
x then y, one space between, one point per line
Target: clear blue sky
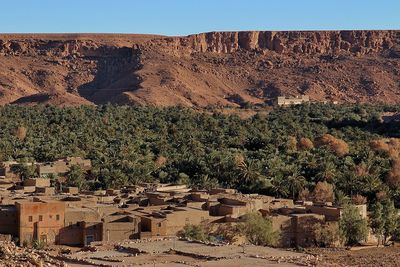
181 17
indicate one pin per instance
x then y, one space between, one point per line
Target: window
57 217
159 224
40 218
30 218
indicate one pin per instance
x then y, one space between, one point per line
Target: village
34 211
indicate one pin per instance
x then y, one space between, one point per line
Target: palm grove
335 153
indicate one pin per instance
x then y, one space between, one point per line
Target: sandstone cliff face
305 42
61 49
216 68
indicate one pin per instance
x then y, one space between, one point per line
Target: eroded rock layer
216 68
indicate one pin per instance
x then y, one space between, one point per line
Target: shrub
353 228
323 192
384 221
305 144
304 194
196 232
358 200
336 145
326 235
37 244
21 132
259 231
291 143
393 177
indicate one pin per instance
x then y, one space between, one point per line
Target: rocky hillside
218 68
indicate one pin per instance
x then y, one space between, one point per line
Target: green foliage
24 171
76 178
38 244
196 232
276 152
259 231
353 228
384 220
326 235
377 221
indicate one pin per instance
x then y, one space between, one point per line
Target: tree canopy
282 153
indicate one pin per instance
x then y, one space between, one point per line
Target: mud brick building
288 101
39 220
79 218
62 166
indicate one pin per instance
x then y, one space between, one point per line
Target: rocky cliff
303 42
216 68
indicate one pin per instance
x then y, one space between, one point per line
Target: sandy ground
374 257
182 253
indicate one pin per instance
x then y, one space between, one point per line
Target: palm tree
248 171
327 171
296 183
280 186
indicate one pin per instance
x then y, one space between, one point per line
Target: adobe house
198 196
39 220
71 190
236 206
118 227
91 232
171 220
37 182
172 188
159 198
47 191
283 224
72 232
6 170
62 166
215 191
25 189
6 184
330 213
8 220
133 189
303 228
87 224
152 226
296 229
288 101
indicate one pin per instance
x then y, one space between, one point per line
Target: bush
336 145
359 200
21 132
326 235
259 231
353 228
305 144
323 192
38 244
196 232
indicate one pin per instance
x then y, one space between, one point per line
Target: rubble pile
13 256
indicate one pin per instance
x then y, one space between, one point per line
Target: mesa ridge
215 68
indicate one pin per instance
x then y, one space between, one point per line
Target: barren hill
217 68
